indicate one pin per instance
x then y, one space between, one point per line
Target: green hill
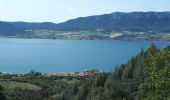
145 77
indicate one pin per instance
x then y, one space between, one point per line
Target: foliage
2 96
145 76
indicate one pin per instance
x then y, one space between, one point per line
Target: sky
62 10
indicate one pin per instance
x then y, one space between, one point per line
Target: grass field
11 85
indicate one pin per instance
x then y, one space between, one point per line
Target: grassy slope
11 85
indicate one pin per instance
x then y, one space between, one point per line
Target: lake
45 55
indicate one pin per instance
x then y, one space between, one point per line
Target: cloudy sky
61 10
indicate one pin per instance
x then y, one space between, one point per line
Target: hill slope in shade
114 22
119 21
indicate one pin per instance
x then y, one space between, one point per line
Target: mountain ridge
113 22
120 21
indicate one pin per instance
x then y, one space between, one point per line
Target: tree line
145 77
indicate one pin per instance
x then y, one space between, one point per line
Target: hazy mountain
18 28
34 26
117 21
9 29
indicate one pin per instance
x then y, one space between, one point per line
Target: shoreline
59 74
86 39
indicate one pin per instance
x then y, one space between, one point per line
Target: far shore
81 73
3 37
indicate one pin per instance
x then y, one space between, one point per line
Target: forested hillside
9 29
114 22
145 77
120 21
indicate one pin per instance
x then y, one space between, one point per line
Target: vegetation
146 76
119 21
134 25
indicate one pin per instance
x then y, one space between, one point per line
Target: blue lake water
23 55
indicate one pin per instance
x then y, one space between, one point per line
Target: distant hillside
117 21
34 26
19 28
9 29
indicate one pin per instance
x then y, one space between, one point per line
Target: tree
2 95
156 84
